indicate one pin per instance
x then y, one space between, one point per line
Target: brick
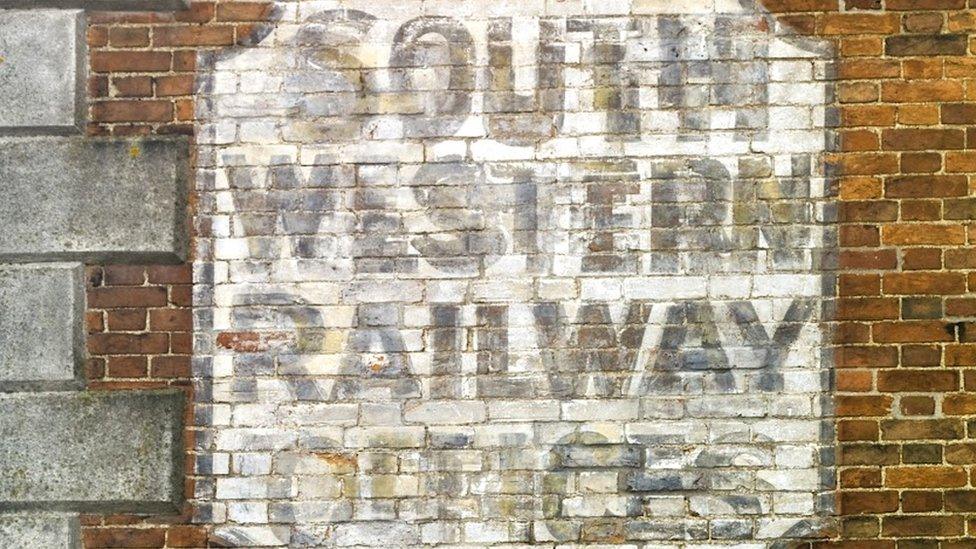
860 477
958 113
921 355
933 44
921 210
921 308
851 430
921 162
926 186
921 501
179 320
959 405
924 283
912 332
921 429
126 344
132 111
868 260
865 69
110 298
854 380
130 61
167 86
922 139
132 86
244 11
859 406
867 309
868 454
129 538
917 381
850 333
922 234
186 536
874 356
922 526
193 36
170 274
921 91
859 235
867 211
853 503
960 454
124 275
171 366
917 405
126 319
858 23
128 37
921 259
922 22
916 5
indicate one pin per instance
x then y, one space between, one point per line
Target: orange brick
863 405
922 139
922 186
868 115
918 115
922 234
921 91
912 332
244 11
920 429
861 46
859 23
855 381
959 405
924 283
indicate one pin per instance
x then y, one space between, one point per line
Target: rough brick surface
355 126
479 254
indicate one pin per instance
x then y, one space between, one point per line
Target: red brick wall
904 378
906 340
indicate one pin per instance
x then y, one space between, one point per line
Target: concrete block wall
71 200
897 91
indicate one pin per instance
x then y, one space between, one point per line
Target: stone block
98 5
91 451
42 72
34 531
93 200
42 342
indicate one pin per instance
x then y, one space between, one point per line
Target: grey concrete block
93 200
42 341
99 5
34 531
91 451
42 72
